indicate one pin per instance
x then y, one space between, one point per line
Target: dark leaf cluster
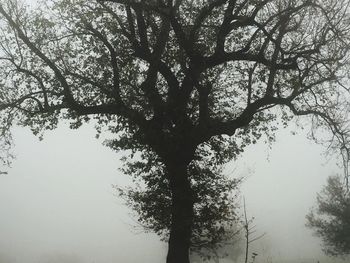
330 219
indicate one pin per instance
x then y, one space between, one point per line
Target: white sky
57 200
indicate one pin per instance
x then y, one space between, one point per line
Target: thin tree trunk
246 227
181 214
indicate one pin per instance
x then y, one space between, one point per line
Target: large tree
185 84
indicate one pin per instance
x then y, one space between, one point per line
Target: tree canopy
185 85
330 219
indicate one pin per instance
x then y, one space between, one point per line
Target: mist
58 204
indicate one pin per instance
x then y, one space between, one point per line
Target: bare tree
249 233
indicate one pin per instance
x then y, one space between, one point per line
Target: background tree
185 84
249 233
330 219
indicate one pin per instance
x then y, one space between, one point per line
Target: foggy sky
58 205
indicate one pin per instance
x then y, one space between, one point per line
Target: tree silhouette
331 217
215 219
183 84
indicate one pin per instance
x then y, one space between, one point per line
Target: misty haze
174 131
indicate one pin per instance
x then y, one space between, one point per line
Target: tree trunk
181 214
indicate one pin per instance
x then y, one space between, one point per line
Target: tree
215 219
249 234
331 218
183 84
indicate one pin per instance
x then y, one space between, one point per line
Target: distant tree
330 219
184 85
249 233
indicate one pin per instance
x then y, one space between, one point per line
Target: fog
58 204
